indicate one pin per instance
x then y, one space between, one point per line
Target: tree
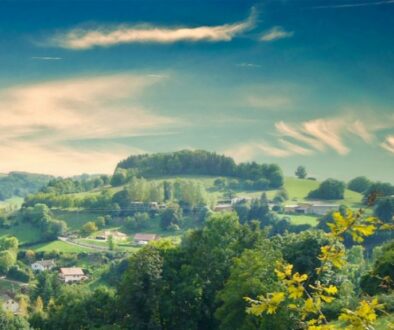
301 172
329 189
309 301
100 222
7 260
170 216
111 243
384 209
140 290
88 228
359 184
118 179
12 322
251 274
380 278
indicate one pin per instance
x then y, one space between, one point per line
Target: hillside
297 189
20 184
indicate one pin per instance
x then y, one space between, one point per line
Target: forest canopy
197 162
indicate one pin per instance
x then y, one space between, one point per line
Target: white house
143 239
42 265
72 274
116 235
311 208
10 305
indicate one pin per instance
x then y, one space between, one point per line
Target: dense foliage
329 189
359 184
197 162
21 184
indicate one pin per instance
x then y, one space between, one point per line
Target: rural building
143 239
311 208
72 274
117 235
146 206
10 305
42 265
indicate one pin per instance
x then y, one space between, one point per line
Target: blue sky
85 83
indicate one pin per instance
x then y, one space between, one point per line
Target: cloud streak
46 58
107 36
353 5
276 33
329 133
388 144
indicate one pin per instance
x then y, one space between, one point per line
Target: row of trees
73 185
197 162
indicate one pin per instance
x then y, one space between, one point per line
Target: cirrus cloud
106 36
388 143
275 33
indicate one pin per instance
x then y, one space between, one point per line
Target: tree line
198 162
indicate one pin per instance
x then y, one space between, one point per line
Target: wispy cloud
328 132
323 133
354 4
46 58
248 65
360 129
298 134
276 33
106 36
388 144
42 118
250 150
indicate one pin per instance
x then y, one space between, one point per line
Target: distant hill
199 162
21 184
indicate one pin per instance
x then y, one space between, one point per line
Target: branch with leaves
307 300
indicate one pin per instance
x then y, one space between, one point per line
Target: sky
84 84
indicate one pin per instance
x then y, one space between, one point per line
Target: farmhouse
117 235
42 265
72 274
143 239
10 305
311 208
146 206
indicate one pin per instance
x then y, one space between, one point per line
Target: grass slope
24 232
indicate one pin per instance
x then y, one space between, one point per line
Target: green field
303 219
11 204
24 232
75 219
298 190
60 246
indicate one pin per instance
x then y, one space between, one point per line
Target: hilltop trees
197 162
359 184
301 172
329 189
